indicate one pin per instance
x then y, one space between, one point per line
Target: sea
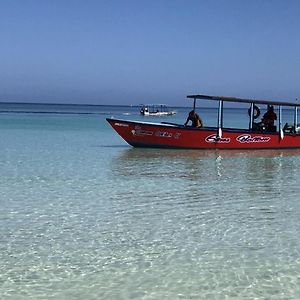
83 215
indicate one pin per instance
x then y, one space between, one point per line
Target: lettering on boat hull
164 134
140 132
247 138
121 124
167 134
213 138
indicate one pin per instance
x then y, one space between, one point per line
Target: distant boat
156 110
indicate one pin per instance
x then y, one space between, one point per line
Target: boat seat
271 128
262 128
258 127
288 128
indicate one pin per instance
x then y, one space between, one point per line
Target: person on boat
196 120
269 119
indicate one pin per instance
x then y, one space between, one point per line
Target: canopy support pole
220 118
281 134
295 119
251 116
194 106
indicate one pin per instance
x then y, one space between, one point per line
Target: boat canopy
241 100
252 102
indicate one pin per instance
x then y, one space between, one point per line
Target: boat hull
164 135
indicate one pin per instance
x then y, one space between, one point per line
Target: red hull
159 135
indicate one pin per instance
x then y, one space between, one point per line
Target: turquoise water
85 216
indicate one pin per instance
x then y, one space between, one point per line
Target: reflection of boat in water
255 165
152 154
156 110
170 135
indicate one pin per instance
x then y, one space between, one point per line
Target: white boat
156 110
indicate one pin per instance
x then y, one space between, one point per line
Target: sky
148 51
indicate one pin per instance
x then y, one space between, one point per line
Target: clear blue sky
131 52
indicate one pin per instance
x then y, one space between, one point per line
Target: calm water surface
84 215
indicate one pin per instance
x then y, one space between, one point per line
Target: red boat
257 136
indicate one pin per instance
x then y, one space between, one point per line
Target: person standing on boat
196 120
269 118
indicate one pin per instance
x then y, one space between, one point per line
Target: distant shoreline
63 104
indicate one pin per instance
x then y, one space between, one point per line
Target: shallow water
84 215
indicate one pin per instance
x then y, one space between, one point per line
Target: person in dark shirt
269 118
196 120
